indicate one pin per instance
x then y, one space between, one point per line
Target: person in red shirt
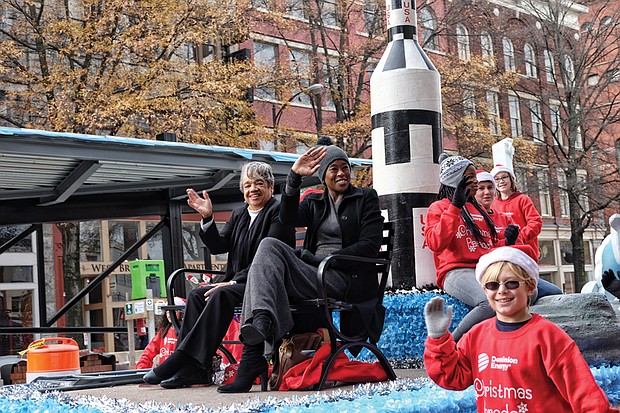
516 361
516 206
459 231
164 342
485 195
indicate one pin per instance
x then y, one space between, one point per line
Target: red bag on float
308 373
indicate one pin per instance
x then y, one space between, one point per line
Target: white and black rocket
405 96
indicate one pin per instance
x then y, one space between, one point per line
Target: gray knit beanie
334 153
451 169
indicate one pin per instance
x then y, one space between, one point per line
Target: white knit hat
502 168
484 176
451 169
520 255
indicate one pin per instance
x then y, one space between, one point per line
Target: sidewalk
207 395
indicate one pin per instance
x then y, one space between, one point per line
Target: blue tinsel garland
403 395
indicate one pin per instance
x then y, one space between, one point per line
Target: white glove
437 320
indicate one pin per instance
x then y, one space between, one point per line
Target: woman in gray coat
341 220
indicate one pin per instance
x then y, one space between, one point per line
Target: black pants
205 323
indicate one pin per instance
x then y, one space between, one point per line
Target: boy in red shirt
517 361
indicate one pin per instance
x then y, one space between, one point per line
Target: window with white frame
428 27
563 193
469 103
265 57
515 116
569 70
556 124
521 178
371 18
327 70
486 45
462 42
296 8
509 55
537 124
329 12
493 109
530 61
543 192
300 66
549 67
582 183
263 4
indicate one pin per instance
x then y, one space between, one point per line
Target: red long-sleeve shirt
162 346
537 368
519 209
453 245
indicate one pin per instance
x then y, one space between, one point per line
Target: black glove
309 258
461 193
511 233
611 283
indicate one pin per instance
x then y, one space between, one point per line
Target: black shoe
152 378
259 330
178 381
253 364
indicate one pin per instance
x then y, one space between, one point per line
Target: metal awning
54 177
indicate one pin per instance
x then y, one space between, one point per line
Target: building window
263 4
547 253
515 116
493 109
372 23
329 12
563 191
7 233
582 190
469 103
509 55
462 42
569 70
90 241
543 193
486 45
556 124
537 124
296 8
521 177
265 57
123 234
428 25
530 61
300 67
549 67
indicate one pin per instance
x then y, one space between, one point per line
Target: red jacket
163 347
537 368
520 210
452 243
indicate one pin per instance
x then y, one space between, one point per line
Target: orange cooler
46 359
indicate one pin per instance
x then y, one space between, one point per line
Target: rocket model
405 96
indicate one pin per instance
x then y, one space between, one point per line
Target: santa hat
521 255
502 168
179 301
484 176
452 169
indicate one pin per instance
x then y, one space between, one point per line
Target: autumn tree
118 67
